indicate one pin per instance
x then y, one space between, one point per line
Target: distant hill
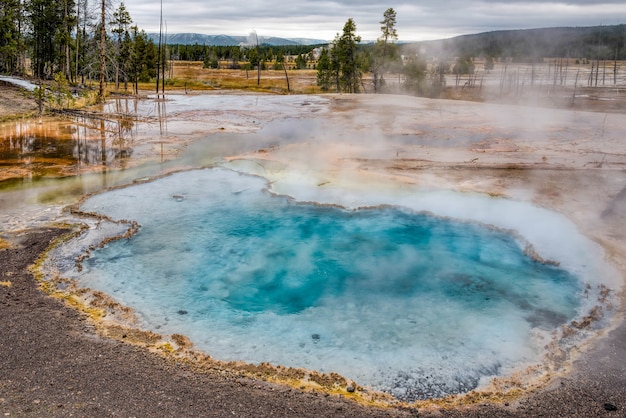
593 42
228 40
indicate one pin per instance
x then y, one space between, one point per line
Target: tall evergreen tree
9 41
63 37
44 20
346 50
384 49
120 23
50 25
325 71
143 57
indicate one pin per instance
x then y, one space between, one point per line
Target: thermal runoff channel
408 303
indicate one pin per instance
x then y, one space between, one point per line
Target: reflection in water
61 147
143 132
44 166
162 123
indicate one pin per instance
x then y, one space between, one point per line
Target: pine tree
9 41
385 48
346 50
325 71
48 23
120 22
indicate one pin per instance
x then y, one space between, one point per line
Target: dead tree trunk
286 75
102 52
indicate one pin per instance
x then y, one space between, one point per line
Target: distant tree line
233 56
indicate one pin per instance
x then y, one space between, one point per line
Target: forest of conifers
73 37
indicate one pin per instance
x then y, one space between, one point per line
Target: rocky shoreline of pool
53 362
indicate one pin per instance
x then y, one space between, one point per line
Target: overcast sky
323 19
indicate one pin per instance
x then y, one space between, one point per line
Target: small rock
315 337
610 407
182 312
350 389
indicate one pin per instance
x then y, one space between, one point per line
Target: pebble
610 407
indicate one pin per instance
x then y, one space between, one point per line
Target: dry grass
487 86
190 76
4 244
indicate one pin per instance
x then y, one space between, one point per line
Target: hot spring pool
398 300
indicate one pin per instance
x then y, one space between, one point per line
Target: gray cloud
416 20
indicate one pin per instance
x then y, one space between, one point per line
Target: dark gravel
53 364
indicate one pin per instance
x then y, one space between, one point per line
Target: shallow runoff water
392 297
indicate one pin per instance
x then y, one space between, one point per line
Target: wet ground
55 160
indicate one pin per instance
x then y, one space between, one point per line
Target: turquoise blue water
404 302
